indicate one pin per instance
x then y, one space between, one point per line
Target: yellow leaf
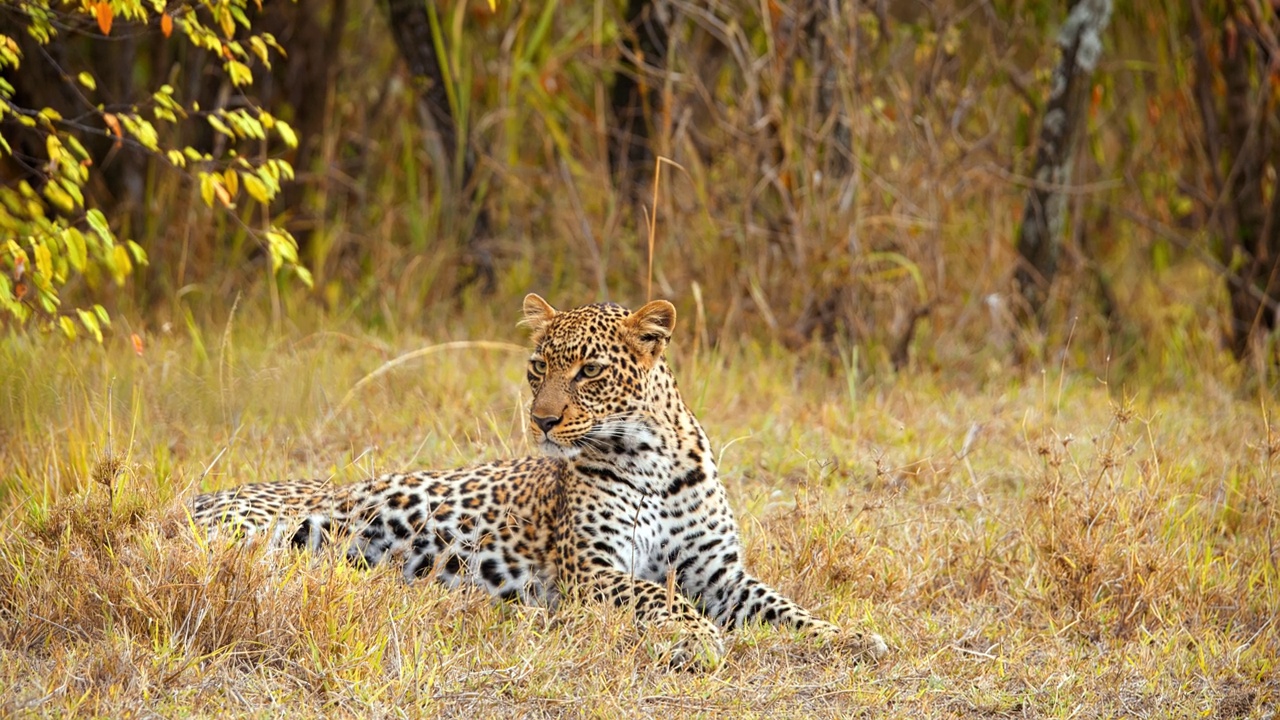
220 126
260 49
44 261
59 197
68 327
232 182
239 72
53 146
286 134
87 80
206 189
77 250
227 22
257 189
121 265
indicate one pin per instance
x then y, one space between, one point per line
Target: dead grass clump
1096 528
100 516
1124 544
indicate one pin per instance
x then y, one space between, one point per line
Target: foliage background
857 180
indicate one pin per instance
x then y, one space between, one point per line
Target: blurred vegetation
852 174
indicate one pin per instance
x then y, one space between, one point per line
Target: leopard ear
650 328
537 313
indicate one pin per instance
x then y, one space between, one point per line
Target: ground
1031 542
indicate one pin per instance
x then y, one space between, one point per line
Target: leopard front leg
684 636
743 598
597 560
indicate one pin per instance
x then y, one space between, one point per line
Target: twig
653 220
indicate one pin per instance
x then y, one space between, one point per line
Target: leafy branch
52 230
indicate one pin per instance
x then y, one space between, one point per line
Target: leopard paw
822 631
698 649
864 647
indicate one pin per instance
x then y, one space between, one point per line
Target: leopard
624 505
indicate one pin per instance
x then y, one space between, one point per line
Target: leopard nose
546 423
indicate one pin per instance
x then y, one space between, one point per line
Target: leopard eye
591 370
539 366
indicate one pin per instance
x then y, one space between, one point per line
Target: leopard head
590 369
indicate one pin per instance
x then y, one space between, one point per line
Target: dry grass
1039 545
1032 544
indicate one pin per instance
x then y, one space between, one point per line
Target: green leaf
98 222
139 255
284 242
72 189
90 323
76 148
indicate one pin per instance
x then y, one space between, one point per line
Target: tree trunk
635 97
304 83
411 29
1236 140
1040 237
